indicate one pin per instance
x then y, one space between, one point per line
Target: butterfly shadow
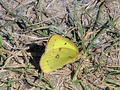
36 52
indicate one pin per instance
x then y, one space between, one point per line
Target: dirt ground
93 25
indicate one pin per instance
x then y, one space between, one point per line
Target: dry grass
94 26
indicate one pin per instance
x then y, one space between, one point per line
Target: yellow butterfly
59 52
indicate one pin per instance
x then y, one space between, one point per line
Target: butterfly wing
56 58
57 41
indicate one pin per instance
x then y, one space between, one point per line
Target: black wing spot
59 49
71 57
65 43
57 56
50 67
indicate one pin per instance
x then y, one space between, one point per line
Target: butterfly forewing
57 41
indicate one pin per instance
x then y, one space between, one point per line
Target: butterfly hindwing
56 58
